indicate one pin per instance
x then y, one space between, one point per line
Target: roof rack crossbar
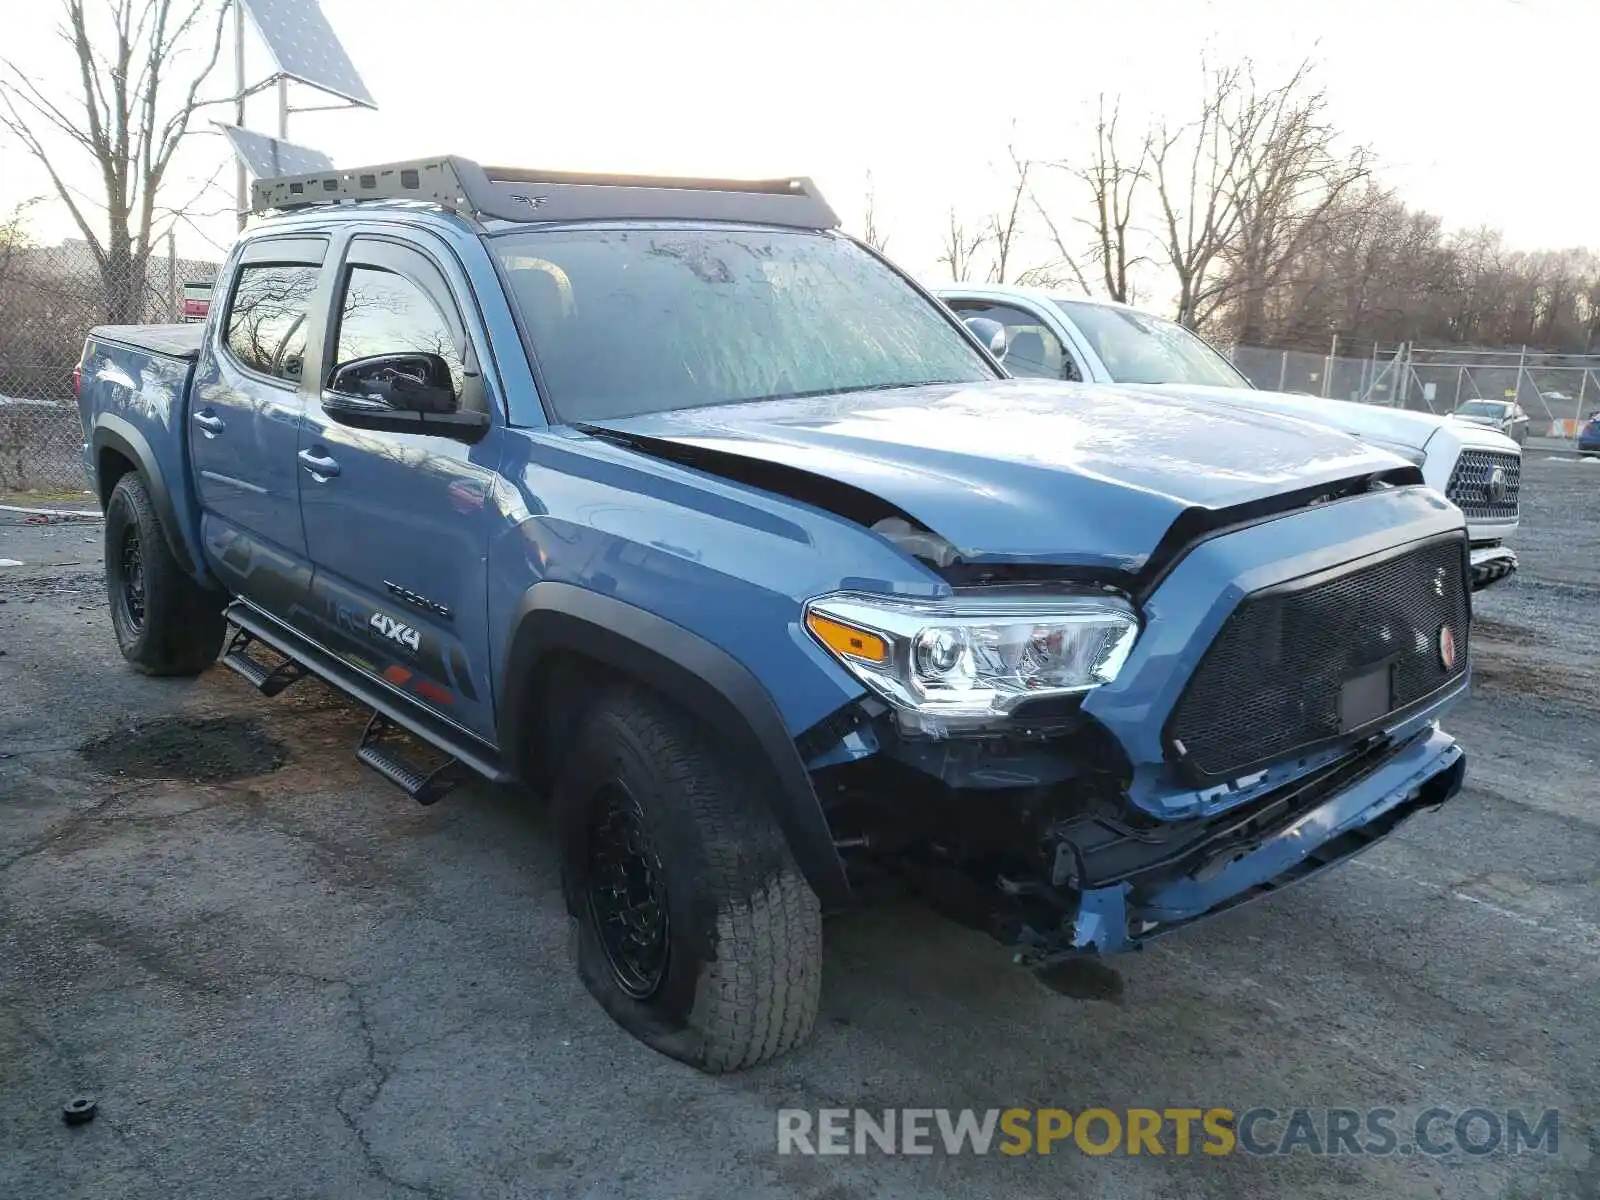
526 195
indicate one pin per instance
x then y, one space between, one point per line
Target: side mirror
401 393
991 333
411 382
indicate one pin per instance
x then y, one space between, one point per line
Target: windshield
1137 348
630 321
1482 408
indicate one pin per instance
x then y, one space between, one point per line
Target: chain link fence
50 297
1557 391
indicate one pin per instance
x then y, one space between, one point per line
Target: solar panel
304 47
268 157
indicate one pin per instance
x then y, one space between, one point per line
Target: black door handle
322 468
209 422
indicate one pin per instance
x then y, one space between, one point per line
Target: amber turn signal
847 639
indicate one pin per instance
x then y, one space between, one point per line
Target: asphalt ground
282 979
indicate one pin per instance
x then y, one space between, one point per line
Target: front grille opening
1476 490
1274 683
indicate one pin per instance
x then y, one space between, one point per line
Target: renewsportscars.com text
1166 1131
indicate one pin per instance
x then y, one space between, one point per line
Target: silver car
1503 416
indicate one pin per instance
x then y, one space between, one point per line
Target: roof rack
514 194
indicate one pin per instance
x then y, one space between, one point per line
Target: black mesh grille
1473 487
1273 682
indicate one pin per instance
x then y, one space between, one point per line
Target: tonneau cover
174 341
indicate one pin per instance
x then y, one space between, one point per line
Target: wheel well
562 685
110 466
569 643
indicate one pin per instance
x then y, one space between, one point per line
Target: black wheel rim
627 901
131 592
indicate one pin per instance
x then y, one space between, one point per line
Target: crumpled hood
1030 470
1400 426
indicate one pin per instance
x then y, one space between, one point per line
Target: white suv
1052 335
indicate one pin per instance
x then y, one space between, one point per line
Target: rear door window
267 318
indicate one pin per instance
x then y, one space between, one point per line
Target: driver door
395 524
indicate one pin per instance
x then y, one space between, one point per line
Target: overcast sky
1478 109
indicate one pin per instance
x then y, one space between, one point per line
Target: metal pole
1577 406
1283 370
241 187
1460 371
1327 369
172 276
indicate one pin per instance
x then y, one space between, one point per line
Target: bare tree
870 233
1005 226
1050 274
1112 178
140 65
961 247
1193 168
1288 176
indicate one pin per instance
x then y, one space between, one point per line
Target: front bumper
1491 564
1422 773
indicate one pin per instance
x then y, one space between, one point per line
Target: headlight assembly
964 663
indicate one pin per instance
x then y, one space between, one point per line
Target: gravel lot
283 980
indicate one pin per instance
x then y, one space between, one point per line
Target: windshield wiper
845 391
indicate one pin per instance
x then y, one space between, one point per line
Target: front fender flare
687 669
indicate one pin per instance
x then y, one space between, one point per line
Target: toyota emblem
1496 487
1447 647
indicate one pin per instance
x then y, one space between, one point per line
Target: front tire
166 624
694 928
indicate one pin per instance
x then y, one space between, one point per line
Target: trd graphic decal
390 628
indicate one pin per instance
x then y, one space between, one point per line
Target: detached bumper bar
1491 564
1422 774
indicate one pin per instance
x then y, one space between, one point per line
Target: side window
382 312
1032 350
267 317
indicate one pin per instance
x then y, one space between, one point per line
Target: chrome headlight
963 663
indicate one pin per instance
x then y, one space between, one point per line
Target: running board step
268 680
423 784
450 740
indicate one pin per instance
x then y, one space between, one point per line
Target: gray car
1503 416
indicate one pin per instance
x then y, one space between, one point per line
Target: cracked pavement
296 983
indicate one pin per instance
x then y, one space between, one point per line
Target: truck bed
174 341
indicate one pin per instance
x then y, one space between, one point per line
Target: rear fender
119 436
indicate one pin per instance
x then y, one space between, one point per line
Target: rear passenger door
244 420
396 524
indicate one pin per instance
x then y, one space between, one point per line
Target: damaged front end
1133 674
1071 866
1132 760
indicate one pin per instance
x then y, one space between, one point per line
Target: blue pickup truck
668 500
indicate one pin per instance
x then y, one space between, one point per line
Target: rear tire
694 928
166 624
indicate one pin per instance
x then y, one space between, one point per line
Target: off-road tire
179 630
743 969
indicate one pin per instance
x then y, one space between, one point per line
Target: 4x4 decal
399 631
